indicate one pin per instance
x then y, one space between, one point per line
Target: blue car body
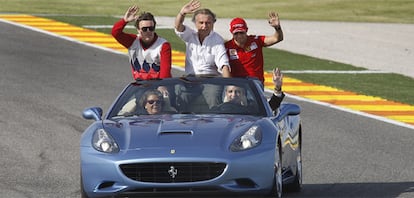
226 150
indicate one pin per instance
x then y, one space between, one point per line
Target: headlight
250 139
104 142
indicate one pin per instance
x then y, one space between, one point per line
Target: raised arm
277 80
188 8
278 35
131 14
277 95
118 33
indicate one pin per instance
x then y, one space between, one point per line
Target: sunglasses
154 101
146 29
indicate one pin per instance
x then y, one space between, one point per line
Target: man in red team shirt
246 54
149 54
245 51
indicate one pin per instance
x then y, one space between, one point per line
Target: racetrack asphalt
389 111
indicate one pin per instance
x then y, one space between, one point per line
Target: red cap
238 25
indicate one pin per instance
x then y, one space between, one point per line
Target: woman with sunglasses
149 54
153 102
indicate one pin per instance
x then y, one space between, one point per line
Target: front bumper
249 171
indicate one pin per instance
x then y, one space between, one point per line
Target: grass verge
390 11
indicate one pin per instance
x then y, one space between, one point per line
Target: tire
296 185
277 181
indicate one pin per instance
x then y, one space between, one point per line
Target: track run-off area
370 106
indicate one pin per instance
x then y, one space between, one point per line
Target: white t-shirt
207 58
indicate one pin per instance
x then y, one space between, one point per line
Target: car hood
179 131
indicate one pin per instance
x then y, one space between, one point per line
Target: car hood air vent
175 133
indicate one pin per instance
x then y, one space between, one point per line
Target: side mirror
288 109
92 113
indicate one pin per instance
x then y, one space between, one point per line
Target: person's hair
145 16
143 100
206 12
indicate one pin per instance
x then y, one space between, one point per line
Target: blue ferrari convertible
191 135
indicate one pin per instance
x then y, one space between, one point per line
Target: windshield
189 96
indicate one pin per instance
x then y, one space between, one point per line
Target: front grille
172 172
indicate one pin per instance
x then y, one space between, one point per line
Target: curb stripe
349 100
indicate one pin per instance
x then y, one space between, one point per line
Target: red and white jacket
146 63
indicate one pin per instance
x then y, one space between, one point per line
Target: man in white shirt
205 51
205 54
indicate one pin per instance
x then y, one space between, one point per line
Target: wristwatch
278 91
